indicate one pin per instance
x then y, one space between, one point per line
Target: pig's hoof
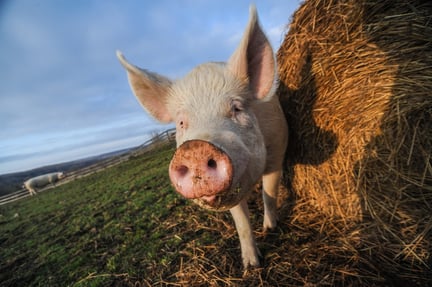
250 263
251 259
270 222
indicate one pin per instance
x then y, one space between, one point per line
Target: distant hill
13 181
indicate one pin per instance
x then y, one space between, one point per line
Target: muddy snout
199 169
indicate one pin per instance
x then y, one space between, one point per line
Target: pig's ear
150 89
254 61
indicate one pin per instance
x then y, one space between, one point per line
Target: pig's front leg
248 247
270 193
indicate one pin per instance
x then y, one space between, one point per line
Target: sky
64 95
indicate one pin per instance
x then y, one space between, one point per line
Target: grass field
106 229
124 226
91 232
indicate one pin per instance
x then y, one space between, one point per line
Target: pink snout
199 169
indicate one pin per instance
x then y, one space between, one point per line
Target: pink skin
200 170
230 130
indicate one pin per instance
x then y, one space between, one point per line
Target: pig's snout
199 169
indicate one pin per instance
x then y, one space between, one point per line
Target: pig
230 130
42 180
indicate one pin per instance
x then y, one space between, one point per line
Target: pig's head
220 149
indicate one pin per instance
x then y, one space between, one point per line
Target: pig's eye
236 107
238 113
182 123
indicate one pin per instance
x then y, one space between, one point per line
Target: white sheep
42 180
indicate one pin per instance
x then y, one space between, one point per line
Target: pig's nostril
182 170
199 168
212 164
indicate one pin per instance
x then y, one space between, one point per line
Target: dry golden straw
356 86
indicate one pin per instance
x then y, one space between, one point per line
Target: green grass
125 226
109 228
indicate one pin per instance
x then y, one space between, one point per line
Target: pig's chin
223 200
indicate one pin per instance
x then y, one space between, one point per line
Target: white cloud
63 86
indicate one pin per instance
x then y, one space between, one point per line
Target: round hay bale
356 88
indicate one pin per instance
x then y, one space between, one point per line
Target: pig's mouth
223 200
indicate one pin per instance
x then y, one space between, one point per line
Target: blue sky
63 94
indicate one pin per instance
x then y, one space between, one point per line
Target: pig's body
275 132
41 181
230 130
